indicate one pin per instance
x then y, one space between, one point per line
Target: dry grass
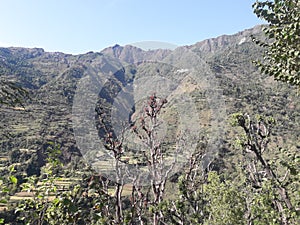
127 190
3 158
3 208
24 194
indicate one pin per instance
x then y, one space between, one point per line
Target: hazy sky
79 26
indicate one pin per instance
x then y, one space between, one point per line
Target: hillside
226 82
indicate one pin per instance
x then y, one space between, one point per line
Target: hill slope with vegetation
52 80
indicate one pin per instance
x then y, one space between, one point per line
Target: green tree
282 47
225 202
83 202
8 185
273 201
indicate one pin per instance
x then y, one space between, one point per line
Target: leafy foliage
271 201
226 203
282 48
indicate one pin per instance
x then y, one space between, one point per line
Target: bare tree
257 138
147 132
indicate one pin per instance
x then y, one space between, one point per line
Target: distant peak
116 46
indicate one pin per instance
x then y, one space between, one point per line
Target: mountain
216 75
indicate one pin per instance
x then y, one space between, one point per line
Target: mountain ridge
52 79
118 51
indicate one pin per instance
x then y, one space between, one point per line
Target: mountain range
106 89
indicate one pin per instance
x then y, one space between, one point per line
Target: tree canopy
282 47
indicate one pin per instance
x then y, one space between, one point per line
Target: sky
80 26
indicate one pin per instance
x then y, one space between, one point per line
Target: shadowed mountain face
53 80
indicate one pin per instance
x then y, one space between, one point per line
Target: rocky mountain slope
53 79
